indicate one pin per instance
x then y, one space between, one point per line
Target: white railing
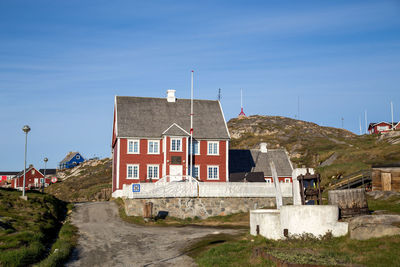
202 189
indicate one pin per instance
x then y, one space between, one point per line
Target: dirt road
106 240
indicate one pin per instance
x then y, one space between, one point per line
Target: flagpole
191 126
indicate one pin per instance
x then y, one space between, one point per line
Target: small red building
151 140
382 127
34 179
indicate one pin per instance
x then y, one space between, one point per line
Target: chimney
263 148
171 95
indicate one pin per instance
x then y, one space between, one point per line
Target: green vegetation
391 204
304 250
27 227
90 183
237 220
62 248
309 144
226 250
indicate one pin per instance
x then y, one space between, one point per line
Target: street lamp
26 129
44 176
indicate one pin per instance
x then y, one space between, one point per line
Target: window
213 148
133 146
287 180
212 172
268 180
195 148
196 171
176 144
152 171
78 157
153 147
132 171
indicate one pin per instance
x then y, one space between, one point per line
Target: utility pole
342 122
366 126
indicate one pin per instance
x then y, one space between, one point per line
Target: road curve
106 240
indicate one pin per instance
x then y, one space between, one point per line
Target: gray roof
68 157
255 161
150 117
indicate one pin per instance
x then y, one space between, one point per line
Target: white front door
175 172
36 182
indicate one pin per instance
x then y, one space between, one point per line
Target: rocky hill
89 181
333 151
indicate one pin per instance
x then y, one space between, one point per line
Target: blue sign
135 188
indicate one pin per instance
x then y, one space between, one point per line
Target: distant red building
382 127
34 179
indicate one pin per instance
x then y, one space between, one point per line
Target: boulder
372 226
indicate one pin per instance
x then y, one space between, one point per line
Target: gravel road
106 240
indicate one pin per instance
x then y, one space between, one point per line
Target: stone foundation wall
200 207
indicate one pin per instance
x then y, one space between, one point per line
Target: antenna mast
366 127
391 107
360 126
241 114
191 126
219 95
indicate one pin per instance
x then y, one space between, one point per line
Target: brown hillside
310 144
90 181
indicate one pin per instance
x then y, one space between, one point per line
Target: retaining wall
203 207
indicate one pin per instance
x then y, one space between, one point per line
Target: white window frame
287 180
268 180
180 140
198 171
133 171
212 152
133 146
158 171
198 147
208 173
148 146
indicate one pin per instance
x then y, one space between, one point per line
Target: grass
305 250
62 248
392 204
237 220
29 226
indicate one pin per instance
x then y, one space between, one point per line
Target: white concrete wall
299 220
312 219
268 222
187 189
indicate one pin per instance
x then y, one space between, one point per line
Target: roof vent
171 95
263 148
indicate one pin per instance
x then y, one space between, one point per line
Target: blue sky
62 63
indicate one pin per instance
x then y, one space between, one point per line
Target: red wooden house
34 179
382 127
151 140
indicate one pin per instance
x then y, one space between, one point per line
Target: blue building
71 160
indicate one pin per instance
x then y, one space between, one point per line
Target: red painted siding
205 160
29 179
143 159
